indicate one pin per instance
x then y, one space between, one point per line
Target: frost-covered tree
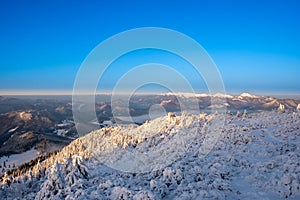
281 108
53 186
76 174
245 114
144 195
7 179
43 147
121 193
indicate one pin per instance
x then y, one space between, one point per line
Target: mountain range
25 122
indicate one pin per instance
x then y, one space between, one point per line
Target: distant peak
222 95
247 95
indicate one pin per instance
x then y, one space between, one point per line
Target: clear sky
255 44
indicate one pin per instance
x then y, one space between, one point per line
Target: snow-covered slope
256 156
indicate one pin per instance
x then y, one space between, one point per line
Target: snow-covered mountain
50 119
247 95
257 155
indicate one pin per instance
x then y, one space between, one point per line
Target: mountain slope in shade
257 156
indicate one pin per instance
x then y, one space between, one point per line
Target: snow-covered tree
245 114
281 108
53 186
121 193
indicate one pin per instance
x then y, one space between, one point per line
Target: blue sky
255 44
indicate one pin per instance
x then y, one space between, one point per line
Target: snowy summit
247 95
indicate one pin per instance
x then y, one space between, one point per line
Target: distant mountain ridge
243 101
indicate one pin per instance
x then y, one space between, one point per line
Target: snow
18 159
257 156
65 123
188 95
62 125
218 95
13 129
247 95
107 123
222 95
61 132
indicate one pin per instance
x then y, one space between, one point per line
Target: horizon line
70 93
